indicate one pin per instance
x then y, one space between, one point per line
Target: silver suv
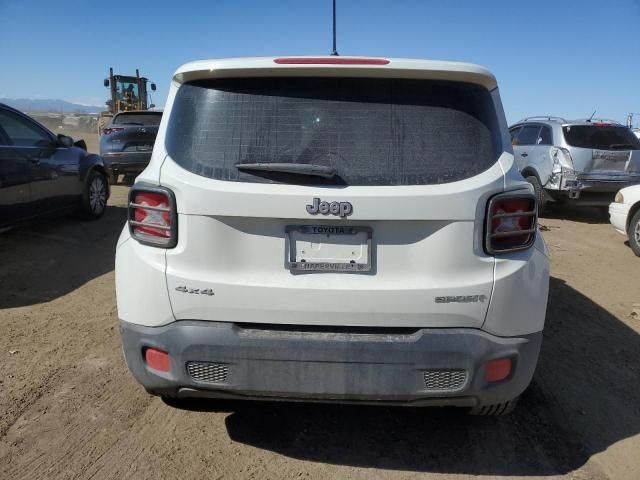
583 161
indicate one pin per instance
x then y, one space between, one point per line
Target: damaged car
581 162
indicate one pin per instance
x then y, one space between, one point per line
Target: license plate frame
292 264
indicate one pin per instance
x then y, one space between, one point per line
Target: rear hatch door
394 237
603 150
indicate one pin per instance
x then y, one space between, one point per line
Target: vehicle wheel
494 410
129 179
94 197
539 193
634 233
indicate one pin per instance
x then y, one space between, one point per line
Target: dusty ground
69 409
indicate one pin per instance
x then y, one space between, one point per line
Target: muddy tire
94 196
539 193
634 233
494 410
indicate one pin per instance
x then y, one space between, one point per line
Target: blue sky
562 57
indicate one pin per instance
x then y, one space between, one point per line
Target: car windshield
138 118
601 137
371 131
127 89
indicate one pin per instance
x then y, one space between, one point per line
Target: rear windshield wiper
296 168
130 123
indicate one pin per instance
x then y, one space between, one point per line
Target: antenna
591 117
334 52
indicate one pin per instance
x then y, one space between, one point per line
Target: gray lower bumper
376 366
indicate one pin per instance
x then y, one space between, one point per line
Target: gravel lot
69 408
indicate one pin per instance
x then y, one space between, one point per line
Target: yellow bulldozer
127 93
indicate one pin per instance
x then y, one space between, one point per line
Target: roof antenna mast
334 52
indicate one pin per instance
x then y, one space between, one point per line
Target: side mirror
106 82
153 87
65 141
153 105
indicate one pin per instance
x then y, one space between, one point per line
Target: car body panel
15 185
408 223
593 170
42 178
251 265
225 294
621 212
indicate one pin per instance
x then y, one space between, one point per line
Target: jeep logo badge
342 209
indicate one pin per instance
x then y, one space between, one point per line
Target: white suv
333 229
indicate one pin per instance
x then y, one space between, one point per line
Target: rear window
371 131
601 137
138 118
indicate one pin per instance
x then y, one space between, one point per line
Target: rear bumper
597 190
379 366
618 214
127 162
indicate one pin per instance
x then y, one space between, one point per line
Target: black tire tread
539 192
85 208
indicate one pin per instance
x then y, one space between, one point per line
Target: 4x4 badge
342 209
197 291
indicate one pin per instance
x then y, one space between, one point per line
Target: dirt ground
70 409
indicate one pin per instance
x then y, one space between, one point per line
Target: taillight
110 130
152 216
511 222
562 158
335 60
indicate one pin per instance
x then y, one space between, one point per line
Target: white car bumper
618 214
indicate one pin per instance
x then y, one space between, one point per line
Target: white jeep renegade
333 229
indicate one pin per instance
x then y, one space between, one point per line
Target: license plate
611 155
328 248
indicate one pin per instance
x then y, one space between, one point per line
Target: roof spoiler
543 117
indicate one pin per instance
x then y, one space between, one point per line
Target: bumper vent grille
208 372
445 380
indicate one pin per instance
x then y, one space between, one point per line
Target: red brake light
152 216
511 223
110 130
331 61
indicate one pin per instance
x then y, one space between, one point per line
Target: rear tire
539 193
94 196
494 410
634 233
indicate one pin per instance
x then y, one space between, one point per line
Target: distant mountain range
49 105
